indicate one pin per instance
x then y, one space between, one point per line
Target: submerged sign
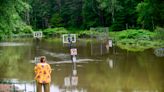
159 52
73 51
67 38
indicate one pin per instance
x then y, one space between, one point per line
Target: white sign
73 51
67 38
38 34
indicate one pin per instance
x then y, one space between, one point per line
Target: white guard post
66 38
67 81
74 72
74 58
38 34
110 43
71 81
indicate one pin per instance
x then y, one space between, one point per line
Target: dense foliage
83 14
138 40
10 20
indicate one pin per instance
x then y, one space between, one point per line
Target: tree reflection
71 82
13 61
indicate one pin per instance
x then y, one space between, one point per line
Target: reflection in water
61 56
22 86
15 85
108 44
110 62
13 61
129 71
71 82
101 47
159 52
14 44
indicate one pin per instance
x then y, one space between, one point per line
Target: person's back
43 72
43 75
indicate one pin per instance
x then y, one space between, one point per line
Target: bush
84 34
135 40
135 34
159 33
55 32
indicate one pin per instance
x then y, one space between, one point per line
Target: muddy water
95 70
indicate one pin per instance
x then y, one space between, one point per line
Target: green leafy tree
10 18
150 13
89 12
71 13
93 16
110 6
40 13
129 13
114 10
56 20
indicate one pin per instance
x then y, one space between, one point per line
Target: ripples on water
14 44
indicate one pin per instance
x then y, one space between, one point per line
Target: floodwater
95 69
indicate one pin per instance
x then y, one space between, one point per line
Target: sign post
37 35
71 38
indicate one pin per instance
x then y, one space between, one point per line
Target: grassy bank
131 39
137 40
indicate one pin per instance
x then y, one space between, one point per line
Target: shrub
55 32
159 33
135 34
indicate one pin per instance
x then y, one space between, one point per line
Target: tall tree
129 13
10 16
71 13
111 6
40 13
151 13
56 19
90 14
93 15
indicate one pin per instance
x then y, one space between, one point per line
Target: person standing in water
43 75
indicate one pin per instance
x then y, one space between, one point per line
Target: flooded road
96 69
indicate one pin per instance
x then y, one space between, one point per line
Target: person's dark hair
42 59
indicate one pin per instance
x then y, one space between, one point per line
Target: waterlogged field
96 69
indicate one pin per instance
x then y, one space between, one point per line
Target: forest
24 15
63 16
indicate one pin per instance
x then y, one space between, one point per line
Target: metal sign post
69 39
37 35
99 35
